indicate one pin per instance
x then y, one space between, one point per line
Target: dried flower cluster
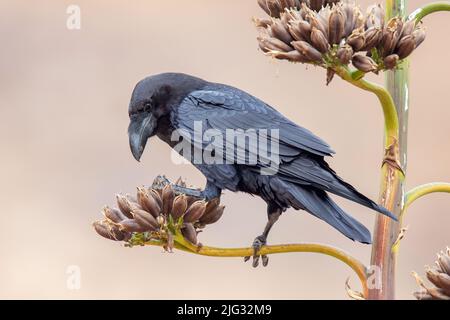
439 275
338 35
154 212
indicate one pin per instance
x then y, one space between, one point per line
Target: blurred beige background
63 120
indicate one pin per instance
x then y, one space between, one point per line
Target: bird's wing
221 108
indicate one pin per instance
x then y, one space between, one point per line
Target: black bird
172 102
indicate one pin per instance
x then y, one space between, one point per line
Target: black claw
255 261
265 260
246 258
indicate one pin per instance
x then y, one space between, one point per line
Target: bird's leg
260 241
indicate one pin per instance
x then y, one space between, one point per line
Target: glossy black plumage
303 178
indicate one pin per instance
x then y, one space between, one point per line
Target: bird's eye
147 106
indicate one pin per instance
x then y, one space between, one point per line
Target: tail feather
319 204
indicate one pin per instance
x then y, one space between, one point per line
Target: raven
174 104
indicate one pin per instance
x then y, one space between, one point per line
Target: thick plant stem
359 268
386 229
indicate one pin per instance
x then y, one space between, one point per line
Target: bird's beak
140 129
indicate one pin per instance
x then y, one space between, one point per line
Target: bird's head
149 102
154 98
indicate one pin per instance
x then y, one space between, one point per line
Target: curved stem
386 101
420 13
423 190
357 266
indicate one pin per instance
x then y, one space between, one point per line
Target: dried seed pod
336 25
195 211
373 36
131 225
277 30
405 47
261 23
168 195
189 233
148 202
268 44
300 30
124 205
293 56
408 28
356 39
179 206
345 54
319 41
390 62
364 63
211 205
419 36
375 16
113 214
317 22
145 219
212 216
307 50
108 231
349 14
157 196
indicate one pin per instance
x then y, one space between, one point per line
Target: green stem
423 190
422 12
357 266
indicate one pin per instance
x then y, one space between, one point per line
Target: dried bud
107 231
148 202
168 195
213 215
300 30
356 39
124 205
373 36
161 220
145 220
319 41
113 214
307 50
375 16
345 54
405 47
336 24
179 206
260 23
195 211
157 196
293 56
268 44
364 63
408 28
278 30
419 36
189 233
316 21
390 62
131 225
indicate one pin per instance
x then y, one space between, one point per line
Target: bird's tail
319 204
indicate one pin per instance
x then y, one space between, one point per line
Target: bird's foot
258 243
